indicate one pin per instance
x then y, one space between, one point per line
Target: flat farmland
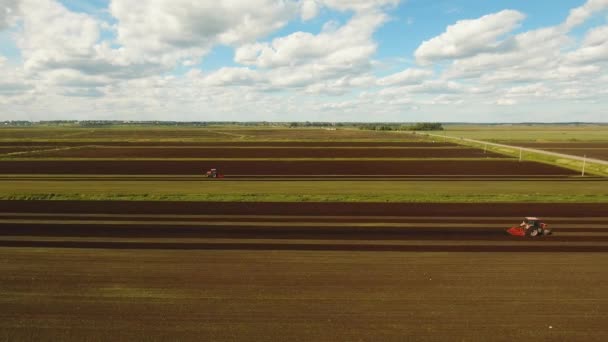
428 189
11 149
114 234
190 134
298 271
264 152
404 141
598 150
512 133
273 168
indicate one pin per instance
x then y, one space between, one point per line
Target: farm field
273 168
397 189
590 150
301 271
510 133
312 235
201 134
264 152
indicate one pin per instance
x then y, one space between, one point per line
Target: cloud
327 62
83 92
141 60
13 82
359 5
309 9
580 14
593 49
407 76
351 43
469 37
184 28
232 77
53 36
531 52
8 12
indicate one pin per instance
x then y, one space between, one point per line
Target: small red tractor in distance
213 173
531 226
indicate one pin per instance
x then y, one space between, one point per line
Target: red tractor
213 173
531 226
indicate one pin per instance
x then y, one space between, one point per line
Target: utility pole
584 164
520 152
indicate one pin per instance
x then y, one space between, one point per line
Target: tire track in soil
284 168
426 238
306 247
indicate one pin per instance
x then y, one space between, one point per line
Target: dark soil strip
238 218
264 152
279 168
261 232
238 143
542 210
421 178
305 247
4 150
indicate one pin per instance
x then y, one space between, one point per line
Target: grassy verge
312 191
538 133
572 164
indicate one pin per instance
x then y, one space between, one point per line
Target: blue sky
322 60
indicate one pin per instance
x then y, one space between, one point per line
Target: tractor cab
530 226
213 173
532 222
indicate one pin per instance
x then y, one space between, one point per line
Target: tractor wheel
546 232
533 232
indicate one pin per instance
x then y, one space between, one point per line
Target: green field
532 190
189 134
522 132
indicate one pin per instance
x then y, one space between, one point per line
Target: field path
527 149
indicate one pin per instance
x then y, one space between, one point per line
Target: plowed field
284 168
297 226
299 271
318 268
233 143
265 152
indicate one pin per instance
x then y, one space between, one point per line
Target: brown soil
228 295
318 229
264 152
238 143
314 283
9 149
307 247
274 168
490 210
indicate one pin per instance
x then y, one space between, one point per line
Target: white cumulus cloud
469 37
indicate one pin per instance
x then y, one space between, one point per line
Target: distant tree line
316 124
421 126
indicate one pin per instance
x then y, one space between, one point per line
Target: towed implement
213 173
531 226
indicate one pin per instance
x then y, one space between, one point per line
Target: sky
304 60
